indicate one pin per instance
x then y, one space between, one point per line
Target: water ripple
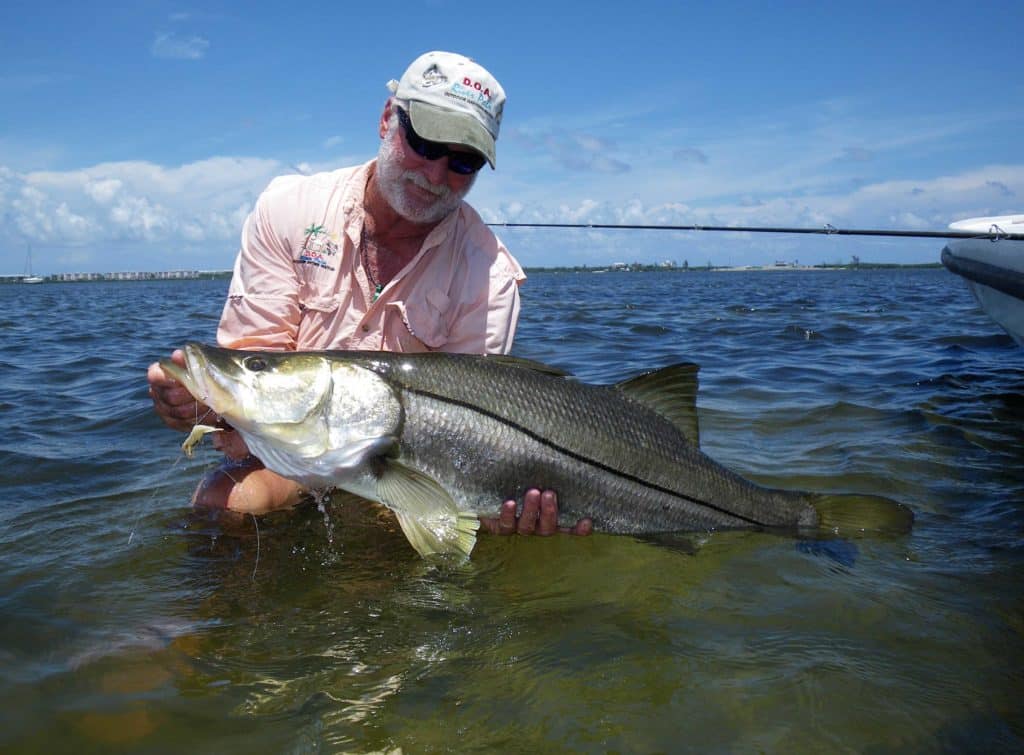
129 614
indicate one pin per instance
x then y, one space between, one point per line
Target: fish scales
497 466
618 461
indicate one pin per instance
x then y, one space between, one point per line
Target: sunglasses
463 163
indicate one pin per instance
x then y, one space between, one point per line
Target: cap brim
451 127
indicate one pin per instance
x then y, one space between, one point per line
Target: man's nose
436 171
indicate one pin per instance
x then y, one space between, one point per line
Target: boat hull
993 269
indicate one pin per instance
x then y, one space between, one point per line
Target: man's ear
385 118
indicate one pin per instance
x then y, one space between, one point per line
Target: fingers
230 443
527 523
156 375
172 395
582 527
171 400
178 411
505 524
507 518
547 523
548 520
539 516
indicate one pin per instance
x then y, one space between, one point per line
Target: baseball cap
452 99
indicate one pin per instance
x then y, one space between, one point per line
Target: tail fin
854 515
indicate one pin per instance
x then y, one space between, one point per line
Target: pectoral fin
429 517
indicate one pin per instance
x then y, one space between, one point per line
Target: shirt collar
352 201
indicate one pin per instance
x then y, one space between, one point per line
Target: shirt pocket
318 321
322 304
426 319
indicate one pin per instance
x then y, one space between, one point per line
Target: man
385 255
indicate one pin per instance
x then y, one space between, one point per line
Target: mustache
439 191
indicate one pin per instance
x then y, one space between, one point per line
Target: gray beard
391 179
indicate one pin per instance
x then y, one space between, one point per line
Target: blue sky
137 135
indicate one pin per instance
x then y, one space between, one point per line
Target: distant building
125 276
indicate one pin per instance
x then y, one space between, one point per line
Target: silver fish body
440 438
495 430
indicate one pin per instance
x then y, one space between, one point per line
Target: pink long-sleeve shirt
299 283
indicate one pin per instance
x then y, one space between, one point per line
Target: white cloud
170 45
103 190
169 217
154 209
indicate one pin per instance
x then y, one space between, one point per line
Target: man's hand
230 444
539 517
172 401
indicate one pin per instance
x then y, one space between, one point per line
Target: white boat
993 268
29 277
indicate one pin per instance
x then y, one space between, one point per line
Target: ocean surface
131 622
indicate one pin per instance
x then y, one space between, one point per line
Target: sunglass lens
465 163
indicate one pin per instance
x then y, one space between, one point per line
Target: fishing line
227 472
255 566
995 233
162 478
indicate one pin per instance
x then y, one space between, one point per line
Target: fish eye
255 364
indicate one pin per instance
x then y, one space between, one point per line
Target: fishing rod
994 233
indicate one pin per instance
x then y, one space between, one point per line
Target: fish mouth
199 379
179 373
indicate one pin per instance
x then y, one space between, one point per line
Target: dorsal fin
526 364
672 393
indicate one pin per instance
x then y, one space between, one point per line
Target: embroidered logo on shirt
318 246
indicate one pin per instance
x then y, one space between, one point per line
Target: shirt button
366 328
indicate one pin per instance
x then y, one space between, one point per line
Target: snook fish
440 438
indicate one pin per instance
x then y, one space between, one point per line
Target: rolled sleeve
488 324
262 309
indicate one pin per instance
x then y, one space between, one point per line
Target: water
131 622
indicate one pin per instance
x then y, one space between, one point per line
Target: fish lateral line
581 458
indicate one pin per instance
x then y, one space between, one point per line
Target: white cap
452 100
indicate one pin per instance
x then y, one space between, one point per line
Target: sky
136 136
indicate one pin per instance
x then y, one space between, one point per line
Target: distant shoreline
644 268
135 277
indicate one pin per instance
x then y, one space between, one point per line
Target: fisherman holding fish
382 256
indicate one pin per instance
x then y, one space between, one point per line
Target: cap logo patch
433 76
